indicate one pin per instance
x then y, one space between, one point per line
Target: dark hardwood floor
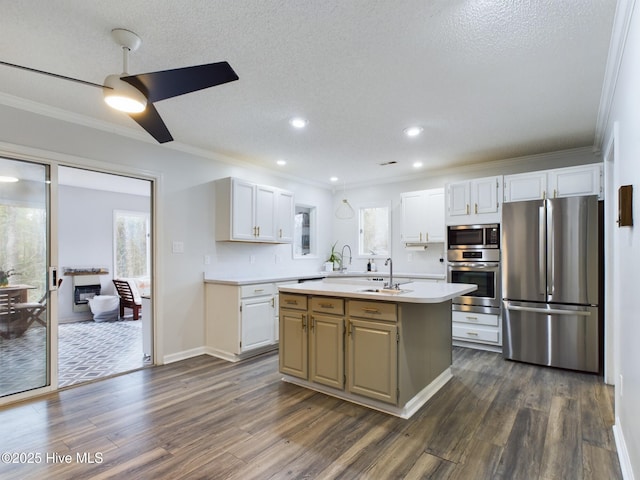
209 419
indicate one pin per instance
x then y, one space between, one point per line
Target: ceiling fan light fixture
122 96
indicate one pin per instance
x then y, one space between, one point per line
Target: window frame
360 210
131 213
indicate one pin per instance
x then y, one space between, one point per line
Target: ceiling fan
135 94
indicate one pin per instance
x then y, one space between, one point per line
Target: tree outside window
131 244
374 231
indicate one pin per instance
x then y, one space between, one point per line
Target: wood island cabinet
382 354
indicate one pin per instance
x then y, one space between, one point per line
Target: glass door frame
50 162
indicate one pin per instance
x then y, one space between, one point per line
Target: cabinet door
413 206
573 181
373 360
242 210
326 350
525 186
284 217
257 322
434 215
484 193
293 343
265 208
458 196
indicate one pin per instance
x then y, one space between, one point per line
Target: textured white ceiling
486 79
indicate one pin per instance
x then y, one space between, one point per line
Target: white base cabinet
477 330
240 320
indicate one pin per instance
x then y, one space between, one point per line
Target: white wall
85 237
185 203
624 118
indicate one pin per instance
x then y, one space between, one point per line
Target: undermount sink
394 291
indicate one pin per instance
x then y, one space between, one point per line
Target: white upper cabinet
474 201
559 182
285 214
248 212
423 216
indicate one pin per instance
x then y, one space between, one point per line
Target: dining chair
30 312
127 298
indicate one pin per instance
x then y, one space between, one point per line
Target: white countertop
253 279
413 292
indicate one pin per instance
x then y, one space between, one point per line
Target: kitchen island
382 348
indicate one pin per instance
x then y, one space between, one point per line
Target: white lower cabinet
240 320
479 330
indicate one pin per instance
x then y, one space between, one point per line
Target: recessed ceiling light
281 162
298 122
417 164
4 179
334 179
413 131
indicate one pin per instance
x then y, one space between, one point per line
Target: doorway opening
104 234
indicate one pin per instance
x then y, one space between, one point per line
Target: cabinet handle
472 334
472 318
467 209
476 208
273 302
313 322
280 233
327 305
258 231
304 323
256 290
291 302
255 231
426 237
370 310
544 194
420 237
554 193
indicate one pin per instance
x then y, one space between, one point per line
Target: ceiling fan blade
62 77
171 83
151 121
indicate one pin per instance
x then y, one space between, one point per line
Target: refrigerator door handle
551 247
548 311
542 239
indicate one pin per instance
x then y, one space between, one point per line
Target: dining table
10 318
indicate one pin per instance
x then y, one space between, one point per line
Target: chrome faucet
390 263
342 267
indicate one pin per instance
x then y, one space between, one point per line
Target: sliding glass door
25 334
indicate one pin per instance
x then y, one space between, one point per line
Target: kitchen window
374 228
304 232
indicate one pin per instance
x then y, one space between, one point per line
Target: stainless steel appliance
473 237
473 257
550 282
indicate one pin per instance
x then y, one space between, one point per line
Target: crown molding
621 23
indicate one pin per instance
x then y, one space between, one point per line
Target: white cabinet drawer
476 334
473 318
248 291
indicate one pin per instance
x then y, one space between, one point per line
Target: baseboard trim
176 357
623 453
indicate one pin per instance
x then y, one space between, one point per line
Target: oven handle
474 265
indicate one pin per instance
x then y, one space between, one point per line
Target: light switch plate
177 247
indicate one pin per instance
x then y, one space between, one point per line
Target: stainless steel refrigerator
550 282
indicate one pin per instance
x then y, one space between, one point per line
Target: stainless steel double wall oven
473 257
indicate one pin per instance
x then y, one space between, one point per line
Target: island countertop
413 292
